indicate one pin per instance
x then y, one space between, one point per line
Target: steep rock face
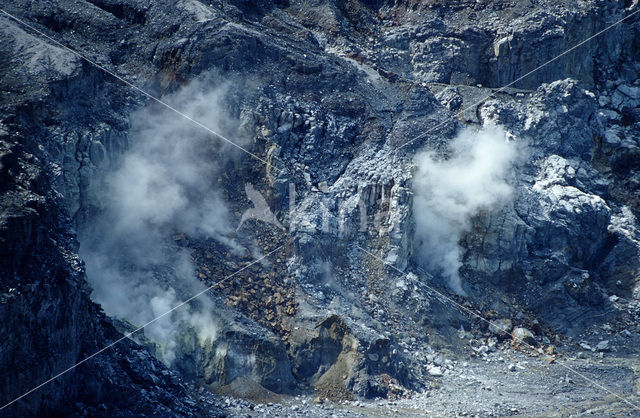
43 284
36 275
242 350
48 319
335 91
492 43
564 221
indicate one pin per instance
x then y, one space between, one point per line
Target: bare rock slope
334 104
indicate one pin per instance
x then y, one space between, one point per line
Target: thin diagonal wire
262 160
140 328
138 89
467 310
428 131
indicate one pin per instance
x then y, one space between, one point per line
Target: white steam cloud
165 184
449 192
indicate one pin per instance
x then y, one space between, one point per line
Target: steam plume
447 193
164 184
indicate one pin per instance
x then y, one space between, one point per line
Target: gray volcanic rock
337 98
48 319
523 335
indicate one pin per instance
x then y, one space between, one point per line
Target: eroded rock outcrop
337 97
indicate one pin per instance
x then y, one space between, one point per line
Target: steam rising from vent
165 183
448 193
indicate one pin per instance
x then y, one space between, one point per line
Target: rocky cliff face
334 100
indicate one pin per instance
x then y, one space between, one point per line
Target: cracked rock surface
335 99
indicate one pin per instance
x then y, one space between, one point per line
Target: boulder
523 335
435 371
603 346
